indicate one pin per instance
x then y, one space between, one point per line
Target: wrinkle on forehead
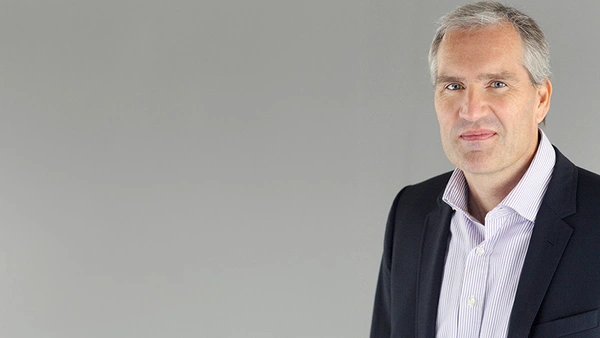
481 47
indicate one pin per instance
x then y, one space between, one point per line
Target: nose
474 106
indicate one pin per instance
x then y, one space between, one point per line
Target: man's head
492 88
536 56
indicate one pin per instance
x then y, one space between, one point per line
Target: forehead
495 46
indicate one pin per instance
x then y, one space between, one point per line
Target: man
507 245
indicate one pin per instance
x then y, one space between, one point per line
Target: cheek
515 112
507 110
444 109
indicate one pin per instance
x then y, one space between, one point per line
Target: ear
544 92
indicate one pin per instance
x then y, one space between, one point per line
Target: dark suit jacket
559 289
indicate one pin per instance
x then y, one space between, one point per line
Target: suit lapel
431 268
548 241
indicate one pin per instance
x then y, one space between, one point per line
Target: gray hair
536 56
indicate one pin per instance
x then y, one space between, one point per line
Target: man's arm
382 314
381 322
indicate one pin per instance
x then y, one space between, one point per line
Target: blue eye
454 86
498 84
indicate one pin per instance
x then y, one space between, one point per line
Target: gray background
224 169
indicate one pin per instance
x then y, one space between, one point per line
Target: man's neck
487 191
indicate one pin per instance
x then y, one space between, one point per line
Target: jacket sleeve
382 314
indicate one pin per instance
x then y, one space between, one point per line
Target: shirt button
471 301
480 251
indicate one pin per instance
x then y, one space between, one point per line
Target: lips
477 135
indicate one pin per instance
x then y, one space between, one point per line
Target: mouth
477 135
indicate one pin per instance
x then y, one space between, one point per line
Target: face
486 105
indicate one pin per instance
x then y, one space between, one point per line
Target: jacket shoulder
411 206
423 196
588 188
587 177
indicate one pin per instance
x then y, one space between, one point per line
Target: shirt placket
472 299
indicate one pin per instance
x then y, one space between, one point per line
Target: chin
477 171
471 162
476 167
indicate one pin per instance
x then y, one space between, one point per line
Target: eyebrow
447 79
486 76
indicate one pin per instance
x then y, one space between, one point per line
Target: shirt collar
525 198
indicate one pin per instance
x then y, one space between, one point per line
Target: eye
454 86
498 84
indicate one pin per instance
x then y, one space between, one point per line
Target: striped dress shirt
483 263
